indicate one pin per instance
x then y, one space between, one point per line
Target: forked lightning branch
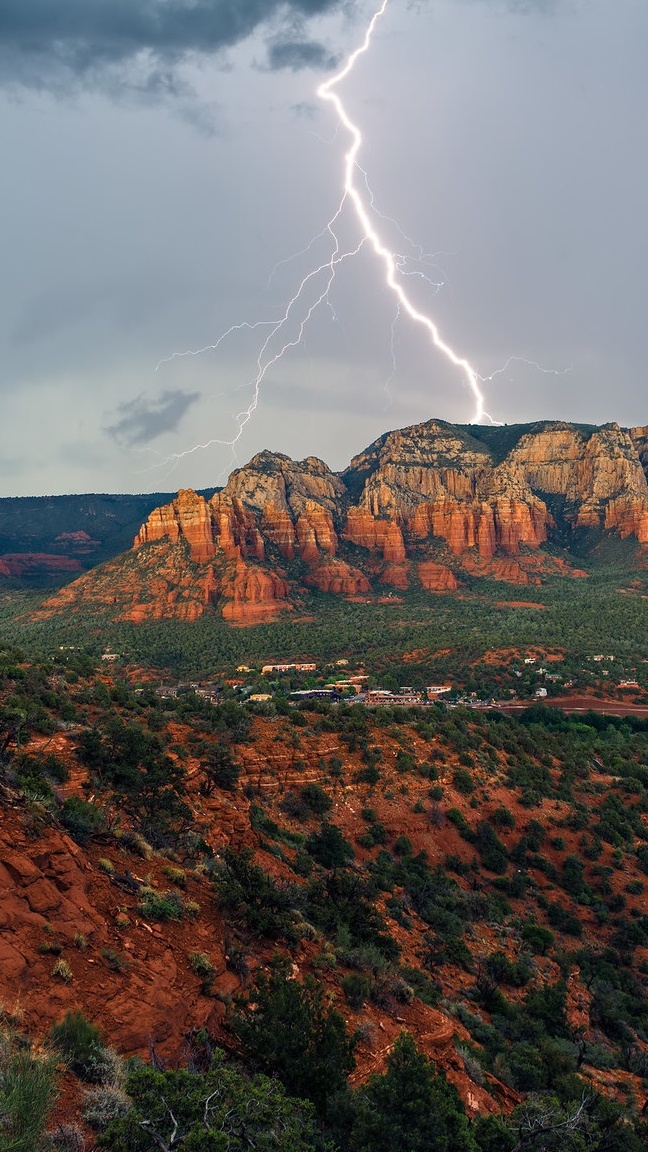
314 289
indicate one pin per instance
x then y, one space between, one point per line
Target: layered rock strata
421 507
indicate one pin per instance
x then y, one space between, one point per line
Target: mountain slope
429 506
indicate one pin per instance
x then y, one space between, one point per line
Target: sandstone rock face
428 505
187 518
436 578
252 594
15 565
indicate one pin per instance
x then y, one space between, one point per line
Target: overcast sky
162 159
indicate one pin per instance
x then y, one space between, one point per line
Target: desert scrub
63 1138
117 961
27 1093
81 1044
104 1104
202 966
106 866
134 843
62 971
175 875
165 906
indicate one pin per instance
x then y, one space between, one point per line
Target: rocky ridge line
421 507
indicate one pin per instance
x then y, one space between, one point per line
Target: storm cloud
46 42
296 54
142 420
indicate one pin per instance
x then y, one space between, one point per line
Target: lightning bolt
288 331
389 259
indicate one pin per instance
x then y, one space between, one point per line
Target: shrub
368 775
202 966
463 781
175 875
295 806
165 906
329 847
405 762
220 771
563 920
461 824
81 1044
538 938
63 1138
27 1093
410 1107
104 1104
493 853
135 843
215 1110
356 988
266 906
502 818
316 799
117 961
62 971
501 970
290 1033
82 820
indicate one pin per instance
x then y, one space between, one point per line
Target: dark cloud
297 54
44 43
141 420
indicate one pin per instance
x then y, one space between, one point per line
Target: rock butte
419 508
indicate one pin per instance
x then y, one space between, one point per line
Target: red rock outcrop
15 565
364 529
187 518
253 594
420 505
337 577
436 577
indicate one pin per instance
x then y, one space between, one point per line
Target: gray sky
159 159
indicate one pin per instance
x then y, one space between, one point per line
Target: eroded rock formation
428 506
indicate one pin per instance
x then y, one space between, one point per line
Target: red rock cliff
423 505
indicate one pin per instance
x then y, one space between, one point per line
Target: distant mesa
77 541
21 565
431 507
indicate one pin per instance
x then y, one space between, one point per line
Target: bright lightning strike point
326 91
287 332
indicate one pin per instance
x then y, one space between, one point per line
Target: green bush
357 988
289 1032
463 781
329 847
411 1107
82 820
81 1044
221 1110
27 1094
246 890
502 818
539 938
316 799
163 906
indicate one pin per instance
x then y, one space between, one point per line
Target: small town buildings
288 668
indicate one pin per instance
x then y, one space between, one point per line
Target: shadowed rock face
418 508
